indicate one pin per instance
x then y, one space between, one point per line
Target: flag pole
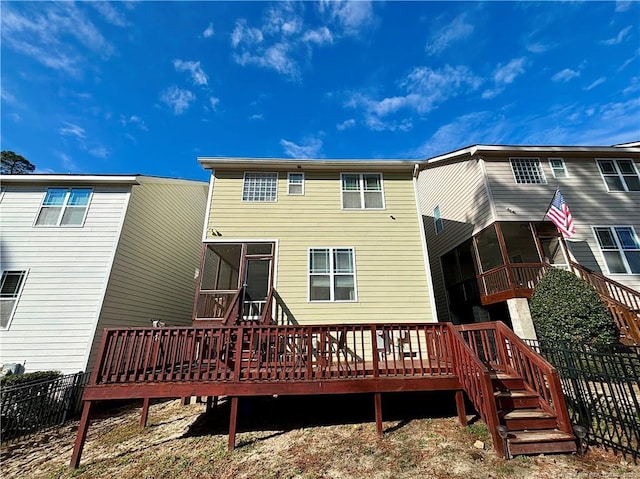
550 203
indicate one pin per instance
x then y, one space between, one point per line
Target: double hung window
619 175
362 191
295 184
620 247
64 207
558 168
10 289
332 274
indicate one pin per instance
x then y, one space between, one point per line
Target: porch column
521 318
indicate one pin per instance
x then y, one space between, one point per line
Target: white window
295 184
362 191
10 289
557 167
619 175
437 220
527 170
332 274
64 207
620 248
260 187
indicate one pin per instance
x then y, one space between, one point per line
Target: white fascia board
305 164
67 179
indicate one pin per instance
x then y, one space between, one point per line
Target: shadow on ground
286 413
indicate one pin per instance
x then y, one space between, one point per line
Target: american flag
560 215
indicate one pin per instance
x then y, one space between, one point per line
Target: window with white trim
437 220
362 191
295 183
332 274
64 207
619 175
620 248
558 168
260 187
10 289
527 171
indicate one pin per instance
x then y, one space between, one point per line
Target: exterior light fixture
503 433
581 434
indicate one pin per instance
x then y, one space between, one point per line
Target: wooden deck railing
500 349
475 378
623 302
213 304
509 281
283 353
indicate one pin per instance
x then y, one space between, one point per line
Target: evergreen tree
14 164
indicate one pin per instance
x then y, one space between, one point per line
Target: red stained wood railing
510 281
272 352
213 304
623 302
500 349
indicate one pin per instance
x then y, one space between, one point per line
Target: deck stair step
540 442
516 399
503 381
530 419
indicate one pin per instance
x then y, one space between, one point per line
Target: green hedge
36 376
567 308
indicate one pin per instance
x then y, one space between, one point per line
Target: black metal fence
34 406
602 390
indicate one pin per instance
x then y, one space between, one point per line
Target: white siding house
81 253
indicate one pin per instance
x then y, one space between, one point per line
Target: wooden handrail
606 286
234 309
475 378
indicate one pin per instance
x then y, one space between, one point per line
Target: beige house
81 253
484 212
337 241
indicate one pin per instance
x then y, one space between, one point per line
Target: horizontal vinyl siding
55 317
587 197
459 190
391 281
153 274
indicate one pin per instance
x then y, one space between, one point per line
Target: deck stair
531 428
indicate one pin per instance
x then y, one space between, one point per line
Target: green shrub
36 376
566 308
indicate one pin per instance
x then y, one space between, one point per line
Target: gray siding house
488 238
82 253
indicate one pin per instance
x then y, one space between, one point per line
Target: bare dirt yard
316 437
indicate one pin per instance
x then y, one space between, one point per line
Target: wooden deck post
462 413
185 401
145 412
377 399
232 423
81 435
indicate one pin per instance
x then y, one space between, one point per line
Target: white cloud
345 125
133 120
623 6
309 148
209 32
256 116
177 99
618 38
538 47
504 75
350 17
69 129
597 82
43 33
319 36
458 29
67 163
198 76
98 151
565 75
247 35
7 97
213 102
110 13
276 57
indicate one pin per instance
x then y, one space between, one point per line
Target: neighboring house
484 212
338 241
82 253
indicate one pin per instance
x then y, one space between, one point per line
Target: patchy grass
182 442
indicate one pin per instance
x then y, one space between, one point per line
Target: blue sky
147 87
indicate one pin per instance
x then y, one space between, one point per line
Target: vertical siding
459 190
56 315
391 281
153 273
585 193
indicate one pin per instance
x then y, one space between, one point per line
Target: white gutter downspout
208 210
423 238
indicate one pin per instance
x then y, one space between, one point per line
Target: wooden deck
250 360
